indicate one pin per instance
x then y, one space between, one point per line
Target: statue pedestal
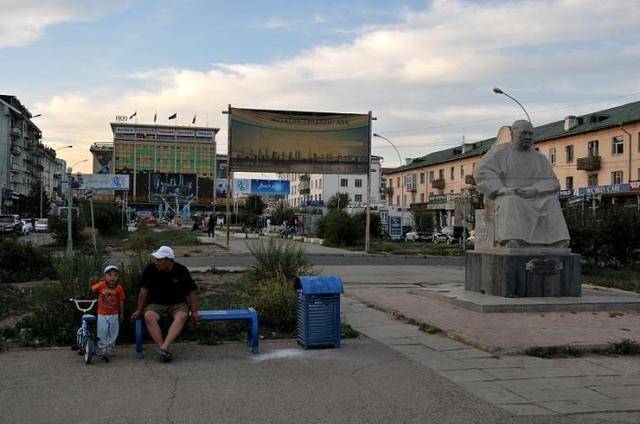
534 272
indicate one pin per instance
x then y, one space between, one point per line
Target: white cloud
430 69
23 21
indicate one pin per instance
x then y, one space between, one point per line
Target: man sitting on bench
171 293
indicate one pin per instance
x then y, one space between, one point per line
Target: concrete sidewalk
601 388
363 382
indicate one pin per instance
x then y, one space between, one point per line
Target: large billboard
97 182
261 187
169 186
299 142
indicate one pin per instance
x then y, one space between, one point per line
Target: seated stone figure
520 193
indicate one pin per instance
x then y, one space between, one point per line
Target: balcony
16 132
589 163
15 169
469 180
305 191
438 184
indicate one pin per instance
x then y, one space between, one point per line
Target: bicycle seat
88 318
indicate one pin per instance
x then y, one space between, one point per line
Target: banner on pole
299 142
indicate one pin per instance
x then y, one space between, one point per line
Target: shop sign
604 189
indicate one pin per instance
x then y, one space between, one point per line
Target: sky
425 69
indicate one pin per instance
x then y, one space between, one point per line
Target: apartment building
596 153
314 190
24 161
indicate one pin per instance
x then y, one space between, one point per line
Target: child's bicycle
85 338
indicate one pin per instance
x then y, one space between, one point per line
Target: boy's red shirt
108 298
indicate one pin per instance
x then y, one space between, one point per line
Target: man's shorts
167 310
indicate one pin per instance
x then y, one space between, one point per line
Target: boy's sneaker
111 352
164 354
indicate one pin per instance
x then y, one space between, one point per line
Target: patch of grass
623 278
554 352
624 347
23 262
145 239
429 329
414 248
347 332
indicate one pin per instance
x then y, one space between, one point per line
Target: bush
107 218
51 319
339 229
423 220
359 222
275 301
23 262
59 231
274 258
609 238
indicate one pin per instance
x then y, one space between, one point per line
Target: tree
31 204
423 221
254 205
282 213
339 200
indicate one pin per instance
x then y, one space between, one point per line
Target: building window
397 200
617 145
358 182
441 174
552 156
569 152
358 198
422 178
453 173
398 182
592 147
616 177
462 171
421 197
404 198
431 175
593 180
568 185
344 182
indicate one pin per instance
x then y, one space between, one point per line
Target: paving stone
534 392
510 373
483 363
492 392
459 376
439 342
469 354
526 409
592 405
620 392
437 361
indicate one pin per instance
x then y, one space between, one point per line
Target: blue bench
250 315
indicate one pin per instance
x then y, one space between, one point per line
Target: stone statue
520 190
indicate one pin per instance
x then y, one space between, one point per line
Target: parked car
7 224
42 225
441 238
418 236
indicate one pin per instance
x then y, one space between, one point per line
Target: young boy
110 310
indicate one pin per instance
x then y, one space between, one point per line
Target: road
242 259
37 239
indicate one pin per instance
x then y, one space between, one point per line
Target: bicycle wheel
89 350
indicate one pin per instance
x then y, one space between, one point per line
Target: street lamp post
42 178
499 91
403 182
70 208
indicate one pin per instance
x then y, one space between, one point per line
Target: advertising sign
395 229
299 142
98 182
270 187
169 186
242 186
222 186
613 188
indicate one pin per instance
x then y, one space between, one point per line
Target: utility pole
89 195
69 214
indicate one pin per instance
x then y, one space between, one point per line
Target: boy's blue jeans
108 327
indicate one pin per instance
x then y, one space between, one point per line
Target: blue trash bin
318 310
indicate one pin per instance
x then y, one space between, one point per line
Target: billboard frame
230 173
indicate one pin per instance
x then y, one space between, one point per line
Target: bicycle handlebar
77 302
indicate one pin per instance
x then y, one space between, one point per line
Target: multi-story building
314 190
143 149
25 162
594 153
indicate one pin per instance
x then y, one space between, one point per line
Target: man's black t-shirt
167 287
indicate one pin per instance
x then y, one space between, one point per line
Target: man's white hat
164 252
